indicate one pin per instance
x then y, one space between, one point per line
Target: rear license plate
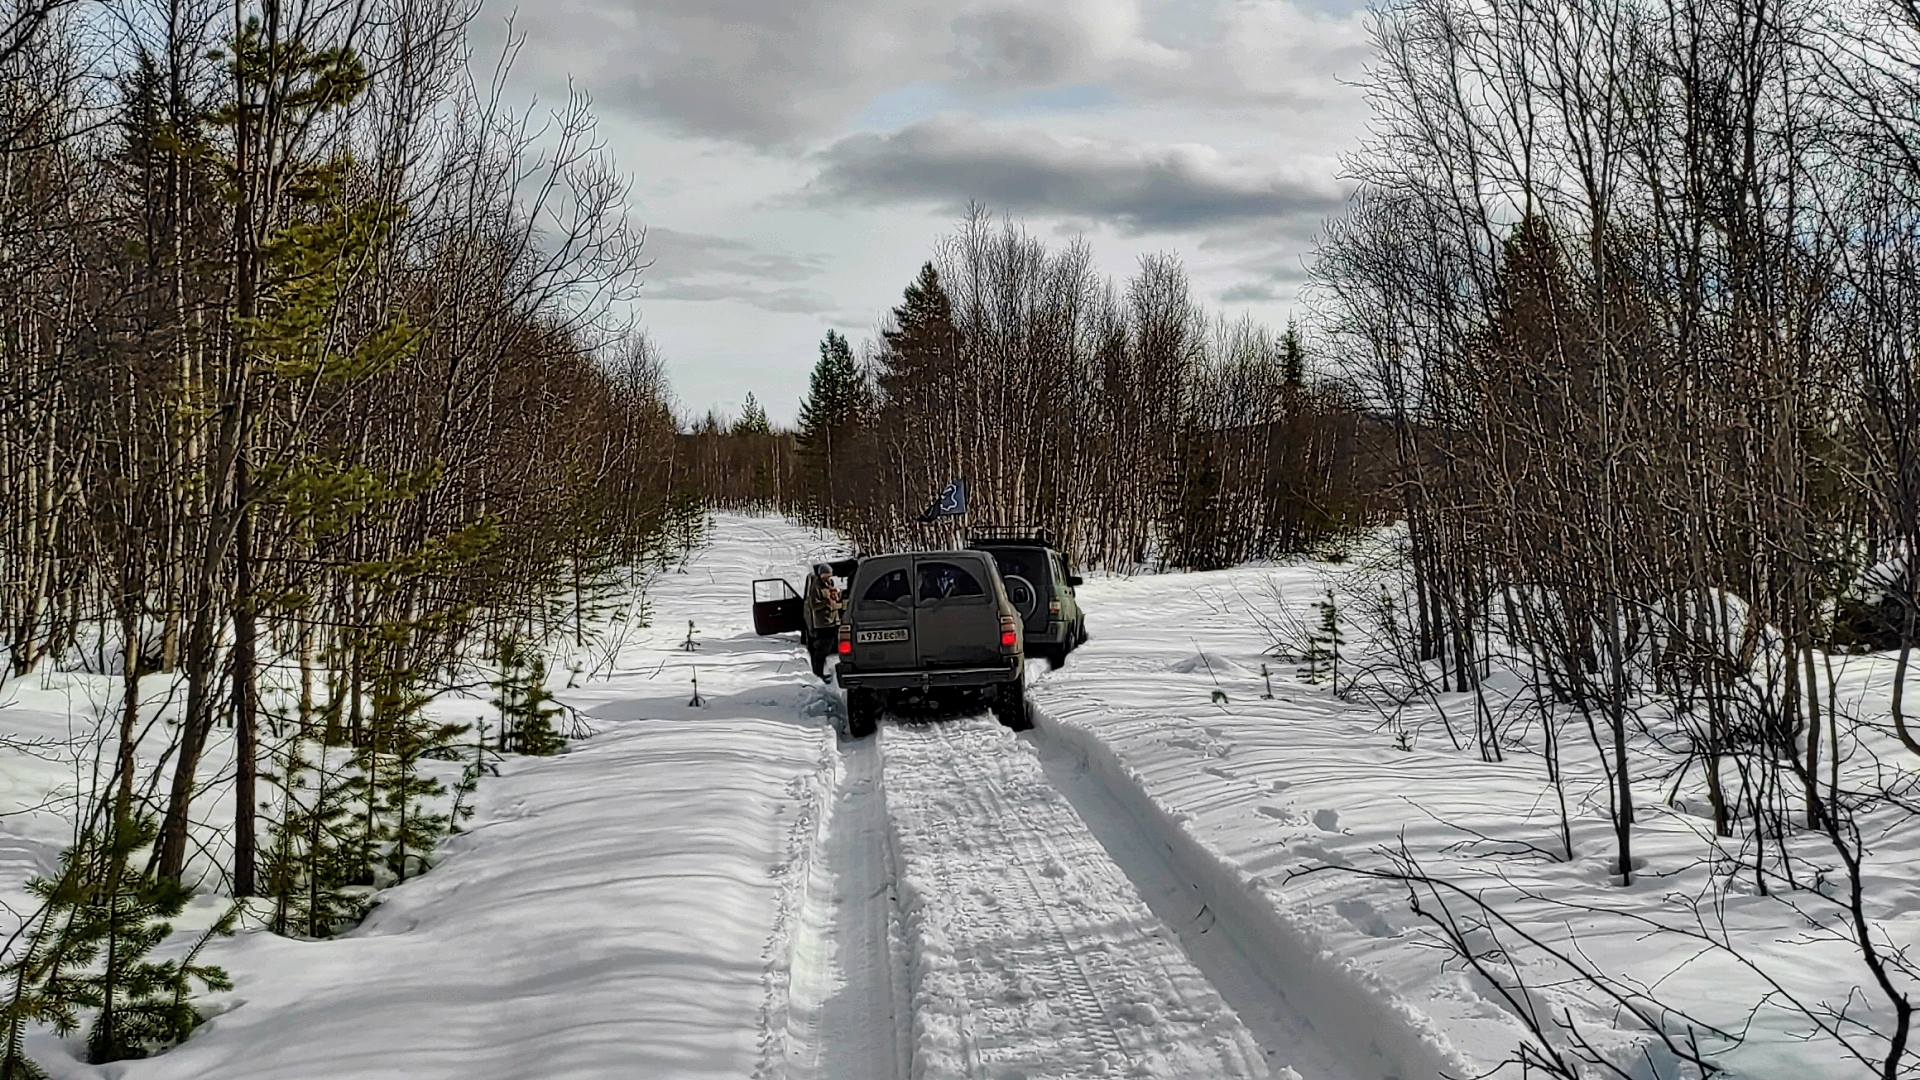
867 636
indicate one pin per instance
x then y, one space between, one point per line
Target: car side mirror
1074 581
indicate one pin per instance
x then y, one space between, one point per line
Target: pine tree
88 950
753 419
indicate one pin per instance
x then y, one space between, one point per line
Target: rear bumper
1055 633
930 679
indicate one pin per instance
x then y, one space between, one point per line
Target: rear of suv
1041 588
927 623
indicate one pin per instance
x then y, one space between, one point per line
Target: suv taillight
1053 608
846 639
1009 632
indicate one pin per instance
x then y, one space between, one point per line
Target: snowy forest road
726 888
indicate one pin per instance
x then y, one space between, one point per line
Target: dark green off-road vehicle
1041 587
927 624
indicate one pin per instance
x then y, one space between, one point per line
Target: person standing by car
824 605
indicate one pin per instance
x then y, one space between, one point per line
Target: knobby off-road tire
1010 706
863 712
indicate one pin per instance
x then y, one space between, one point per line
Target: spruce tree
1324 644
1293 358
753 419
839 402
920 345
88 948
315 868
527 708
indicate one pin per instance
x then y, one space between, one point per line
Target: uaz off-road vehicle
923 624
1039 586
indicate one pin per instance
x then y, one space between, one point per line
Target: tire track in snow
1031 953
847 1011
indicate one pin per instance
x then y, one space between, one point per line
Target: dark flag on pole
951 502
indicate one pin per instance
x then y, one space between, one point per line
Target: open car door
777 608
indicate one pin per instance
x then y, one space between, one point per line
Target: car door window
889 588
945 581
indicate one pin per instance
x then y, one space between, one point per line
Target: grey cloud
776 73
697 266
784 301
1249 293
679 254
761 72
950 160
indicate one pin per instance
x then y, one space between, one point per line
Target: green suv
1040 587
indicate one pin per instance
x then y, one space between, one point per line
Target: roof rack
988 535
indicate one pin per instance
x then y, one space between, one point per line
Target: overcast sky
794 161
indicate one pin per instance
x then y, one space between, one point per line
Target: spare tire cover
1026 598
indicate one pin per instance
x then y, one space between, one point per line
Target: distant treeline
1123 417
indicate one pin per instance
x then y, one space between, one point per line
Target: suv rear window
942 580
889 588
1027 564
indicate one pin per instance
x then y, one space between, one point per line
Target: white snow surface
1033 955
1149 884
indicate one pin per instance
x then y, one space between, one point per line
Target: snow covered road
1032 954
731 890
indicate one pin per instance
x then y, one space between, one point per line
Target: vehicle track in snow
1031 953
847 1008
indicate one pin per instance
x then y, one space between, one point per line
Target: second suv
1041 590
931 622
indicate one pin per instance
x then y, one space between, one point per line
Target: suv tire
1010 706
863 712
1056 657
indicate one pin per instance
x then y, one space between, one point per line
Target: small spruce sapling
315 868
1323 650
527 708
88 949
538 736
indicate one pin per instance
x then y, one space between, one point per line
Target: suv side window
889 588
943 580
